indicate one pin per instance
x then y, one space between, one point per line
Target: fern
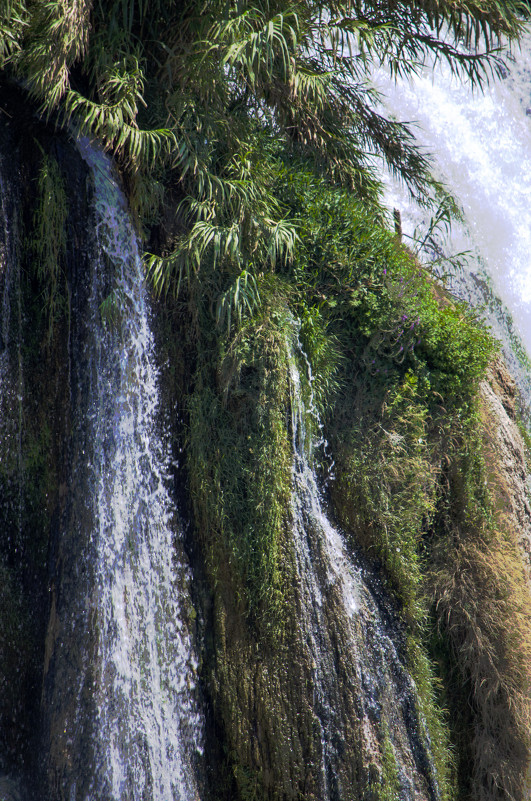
55 38
109 123
240 298
207 95
13 17
257 47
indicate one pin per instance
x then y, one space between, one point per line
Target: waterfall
330 578
481 147
132 727
120 712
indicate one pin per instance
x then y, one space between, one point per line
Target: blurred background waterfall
480 144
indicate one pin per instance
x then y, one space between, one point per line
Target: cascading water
132 727
328 578
481 147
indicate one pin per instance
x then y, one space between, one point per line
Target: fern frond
242 298
223 241
13 19
56 37
280 240
168 272
110 124
256 46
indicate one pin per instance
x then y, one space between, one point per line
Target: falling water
326 569
481 147
147 727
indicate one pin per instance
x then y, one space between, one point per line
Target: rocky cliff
350 513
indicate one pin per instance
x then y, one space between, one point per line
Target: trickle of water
148 726
307 495
325 568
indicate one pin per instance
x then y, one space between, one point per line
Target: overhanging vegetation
247 135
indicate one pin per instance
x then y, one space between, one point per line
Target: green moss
384 490
383 778
389 789
249 783
240 458
434 719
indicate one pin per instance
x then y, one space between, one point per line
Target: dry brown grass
483 606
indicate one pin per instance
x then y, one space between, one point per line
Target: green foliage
12 19
112 122
242 295
240 461
198 93
48 242
322 352
386 483
55 37
259 126
390 779
434 715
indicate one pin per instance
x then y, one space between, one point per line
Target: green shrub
240 457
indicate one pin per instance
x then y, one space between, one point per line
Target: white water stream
147 724
481 145
330 578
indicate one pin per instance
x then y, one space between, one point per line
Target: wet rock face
9 789
322 715
343 730
326 713
37 465
329 711
505 450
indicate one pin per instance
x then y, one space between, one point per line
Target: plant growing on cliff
192 85
49 239
240 461
254 122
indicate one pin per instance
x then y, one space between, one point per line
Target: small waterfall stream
145 726
328 575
